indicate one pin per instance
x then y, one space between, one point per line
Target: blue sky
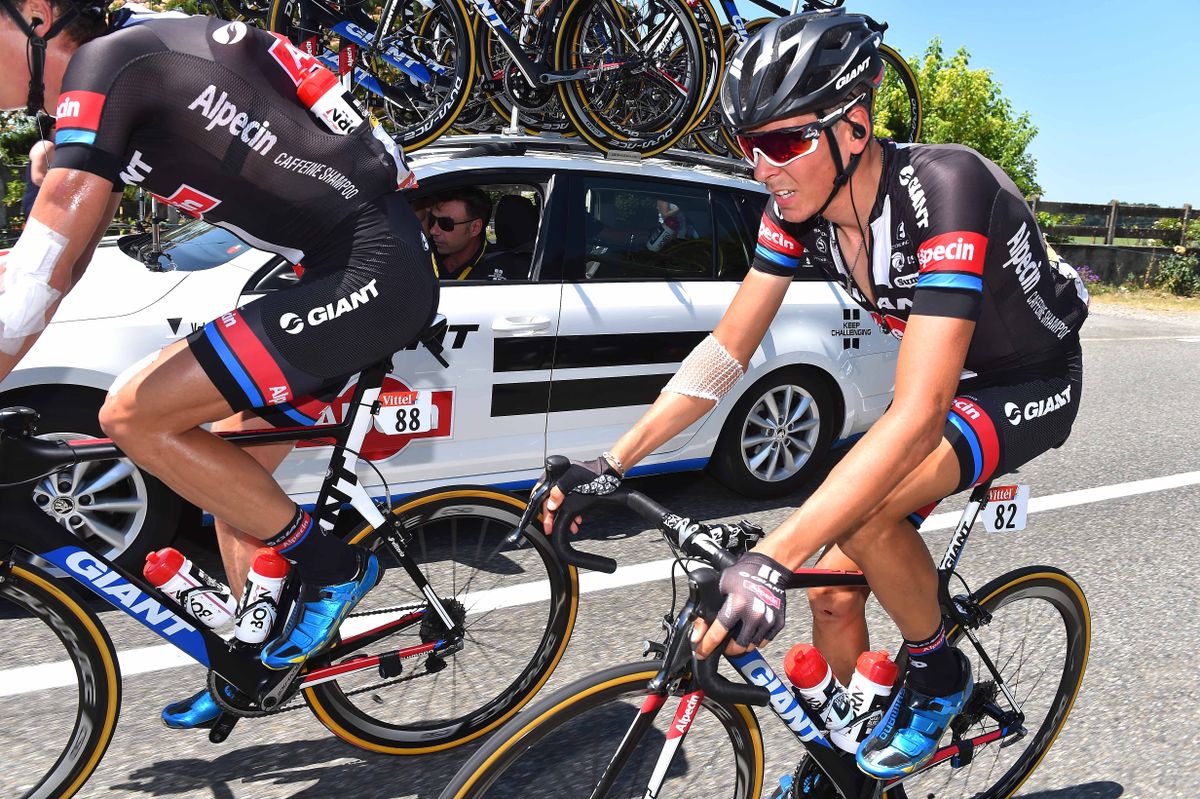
1114 88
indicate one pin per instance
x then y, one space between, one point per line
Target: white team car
595 314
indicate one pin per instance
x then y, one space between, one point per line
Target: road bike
472 614
627 74
1027 633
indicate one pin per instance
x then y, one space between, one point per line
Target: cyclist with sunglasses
210 115
938 244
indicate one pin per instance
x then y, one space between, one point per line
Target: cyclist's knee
837 605
117 417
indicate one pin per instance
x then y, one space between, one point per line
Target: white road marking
28 679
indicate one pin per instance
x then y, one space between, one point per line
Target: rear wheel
645 72
1038 637
516 602
562 745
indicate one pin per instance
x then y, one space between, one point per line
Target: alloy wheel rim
780 432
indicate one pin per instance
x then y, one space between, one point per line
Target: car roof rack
490 144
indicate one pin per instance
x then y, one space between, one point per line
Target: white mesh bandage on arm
708 372
27 295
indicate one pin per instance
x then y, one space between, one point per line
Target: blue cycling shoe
907 737
200 710
318 614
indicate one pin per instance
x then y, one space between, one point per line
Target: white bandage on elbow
27 295
708 372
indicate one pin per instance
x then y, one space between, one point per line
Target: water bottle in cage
259 607
206 599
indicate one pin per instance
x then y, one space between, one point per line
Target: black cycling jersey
204 113
951 235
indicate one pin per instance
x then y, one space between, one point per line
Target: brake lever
538 495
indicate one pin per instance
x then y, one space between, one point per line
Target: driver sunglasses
786 145
447 224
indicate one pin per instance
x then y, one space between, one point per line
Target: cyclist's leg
237 546
839 617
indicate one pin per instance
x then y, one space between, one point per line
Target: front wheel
517 603
562 745
1038 637
62 688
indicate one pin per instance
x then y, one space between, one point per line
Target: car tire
752 453
145 514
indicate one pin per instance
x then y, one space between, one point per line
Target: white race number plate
1006 509
406 412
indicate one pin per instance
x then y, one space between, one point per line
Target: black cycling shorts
360 298
996 426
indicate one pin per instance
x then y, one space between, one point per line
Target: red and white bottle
206 600
816 687
323 94
870 693
260 599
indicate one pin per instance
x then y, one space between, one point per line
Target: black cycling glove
755 599
595 478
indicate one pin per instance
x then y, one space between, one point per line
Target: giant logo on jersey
378 446
78 115
916 194
292 323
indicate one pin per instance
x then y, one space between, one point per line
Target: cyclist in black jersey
937 243
207 115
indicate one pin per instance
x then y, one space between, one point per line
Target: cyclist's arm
75 206
740 331
927 375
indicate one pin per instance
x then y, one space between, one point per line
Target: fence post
1112 223
1033 201
1183 228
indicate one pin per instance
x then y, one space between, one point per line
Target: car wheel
122 512
777 434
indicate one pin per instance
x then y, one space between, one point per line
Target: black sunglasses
447 224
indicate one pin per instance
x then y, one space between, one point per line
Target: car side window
509 234
638 229
737 232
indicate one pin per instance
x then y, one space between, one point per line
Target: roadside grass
1143 299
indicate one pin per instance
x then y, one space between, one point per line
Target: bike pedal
221 727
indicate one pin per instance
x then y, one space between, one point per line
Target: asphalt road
1135 729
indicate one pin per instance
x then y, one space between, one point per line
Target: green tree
963 105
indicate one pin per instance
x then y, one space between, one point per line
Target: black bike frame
29 528
755 670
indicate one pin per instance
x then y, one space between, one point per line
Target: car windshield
198 245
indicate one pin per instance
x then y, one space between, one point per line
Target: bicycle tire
1067 605
438 32
621 107
600 706
713 38
26 595
431 520
908 122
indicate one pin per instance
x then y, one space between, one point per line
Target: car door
640 292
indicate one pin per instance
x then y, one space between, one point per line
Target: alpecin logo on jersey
771 236
957 251
221 113
1028 272
78 115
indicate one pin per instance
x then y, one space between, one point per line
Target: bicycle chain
294 703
